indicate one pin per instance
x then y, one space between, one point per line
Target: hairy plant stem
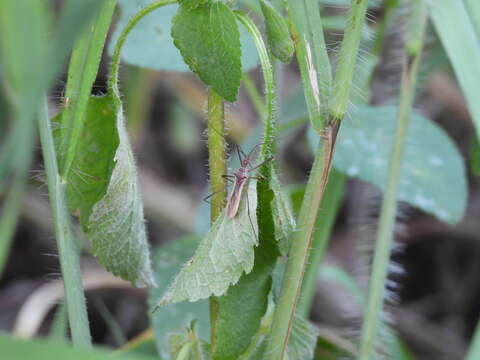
325 220
82 72
347 59
115 65
312 57
218 167
385 232
312 63
300 246
67 248
268 77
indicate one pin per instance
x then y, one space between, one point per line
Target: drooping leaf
456 23
102 189
278 35
150 45
209 41
222 256
15 349
431 162
168 259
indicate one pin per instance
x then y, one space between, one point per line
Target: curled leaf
102 188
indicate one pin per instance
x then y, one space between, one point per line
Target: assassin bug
239 178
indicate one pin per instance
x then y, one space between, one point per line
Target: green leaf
279 40
174 317
192 4
102 189
187 346
431 163
150 45
14 349
209 41
302 341
301 344
282 214
455 24
241 309
222 256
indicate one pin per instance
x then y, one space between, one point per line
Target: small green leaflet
209 41
279 40
221 257
187 345
102 188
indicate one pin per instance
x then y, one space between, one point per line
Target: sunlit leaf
209 41
223 255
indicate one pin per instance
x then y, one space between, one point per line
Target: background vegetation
356 238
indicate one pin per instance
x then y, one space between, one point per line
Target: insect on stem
241 176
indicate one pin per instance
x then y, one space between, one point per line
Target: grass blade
82 72
68 251
384 242
455 25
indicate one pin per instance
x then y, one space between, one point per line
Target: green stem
115 65
67 248
218 167
299 251
321 237
347 61
312 57
385 231
82 72
328 128
270 94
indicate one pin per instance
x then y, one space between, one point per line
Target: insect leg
262 163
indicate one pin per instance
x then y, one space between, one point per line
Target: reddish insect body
240 178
